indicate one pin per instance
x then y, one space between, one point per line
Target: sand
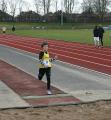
93 111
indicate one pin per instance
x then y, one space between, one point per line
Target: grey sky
77 8
29 5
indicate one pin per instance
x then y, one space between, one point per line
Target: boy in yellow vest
45 65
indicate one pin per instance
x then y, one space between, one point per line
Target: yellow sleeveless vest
46 60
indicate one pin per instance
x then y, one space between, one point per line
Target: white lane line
55 43
39 41
62 68
36 59
92 95
70 46
47 96
67 51
68 57
10 99
64 43
63 51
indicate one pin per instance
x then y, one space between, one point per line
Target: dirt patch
93 111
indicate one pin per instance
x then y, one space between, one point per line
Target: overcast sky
77 8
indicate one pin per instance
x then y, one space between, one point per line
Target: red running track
75 53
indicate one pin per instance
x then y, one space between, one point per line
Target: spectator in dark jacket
101 32
96 36
13 28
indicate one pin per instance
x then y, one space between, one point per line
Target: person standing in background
96 36
4 29
101 32
13 28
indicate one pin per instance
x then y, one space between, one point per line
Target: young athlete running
45 65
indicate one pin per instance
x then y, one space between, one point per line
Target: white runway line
9 99
69 57
80 94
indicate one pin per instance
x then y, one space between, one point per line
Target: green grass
67 35
82 35
55 31
26 25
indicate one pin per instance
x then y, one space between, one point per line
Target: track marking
26 45
36 59
67 56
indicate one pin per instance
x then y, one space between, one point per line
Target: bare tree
13 5
46 5
56 4
21 4
69 5
27 6
37 4
3 5
3 8
87 5
100 7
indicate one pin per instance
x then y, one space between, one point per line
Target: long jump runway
74 53
84 84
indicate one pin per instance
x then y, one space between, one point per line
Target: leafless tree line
69 5
3 5
99 7
40 5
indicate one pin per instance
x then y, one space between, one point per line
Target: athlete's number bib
46 63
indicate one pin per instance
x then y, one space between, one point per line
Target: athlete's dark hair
43 44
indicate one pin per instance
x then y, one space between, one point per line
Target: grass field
82 35
28 25
55 31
